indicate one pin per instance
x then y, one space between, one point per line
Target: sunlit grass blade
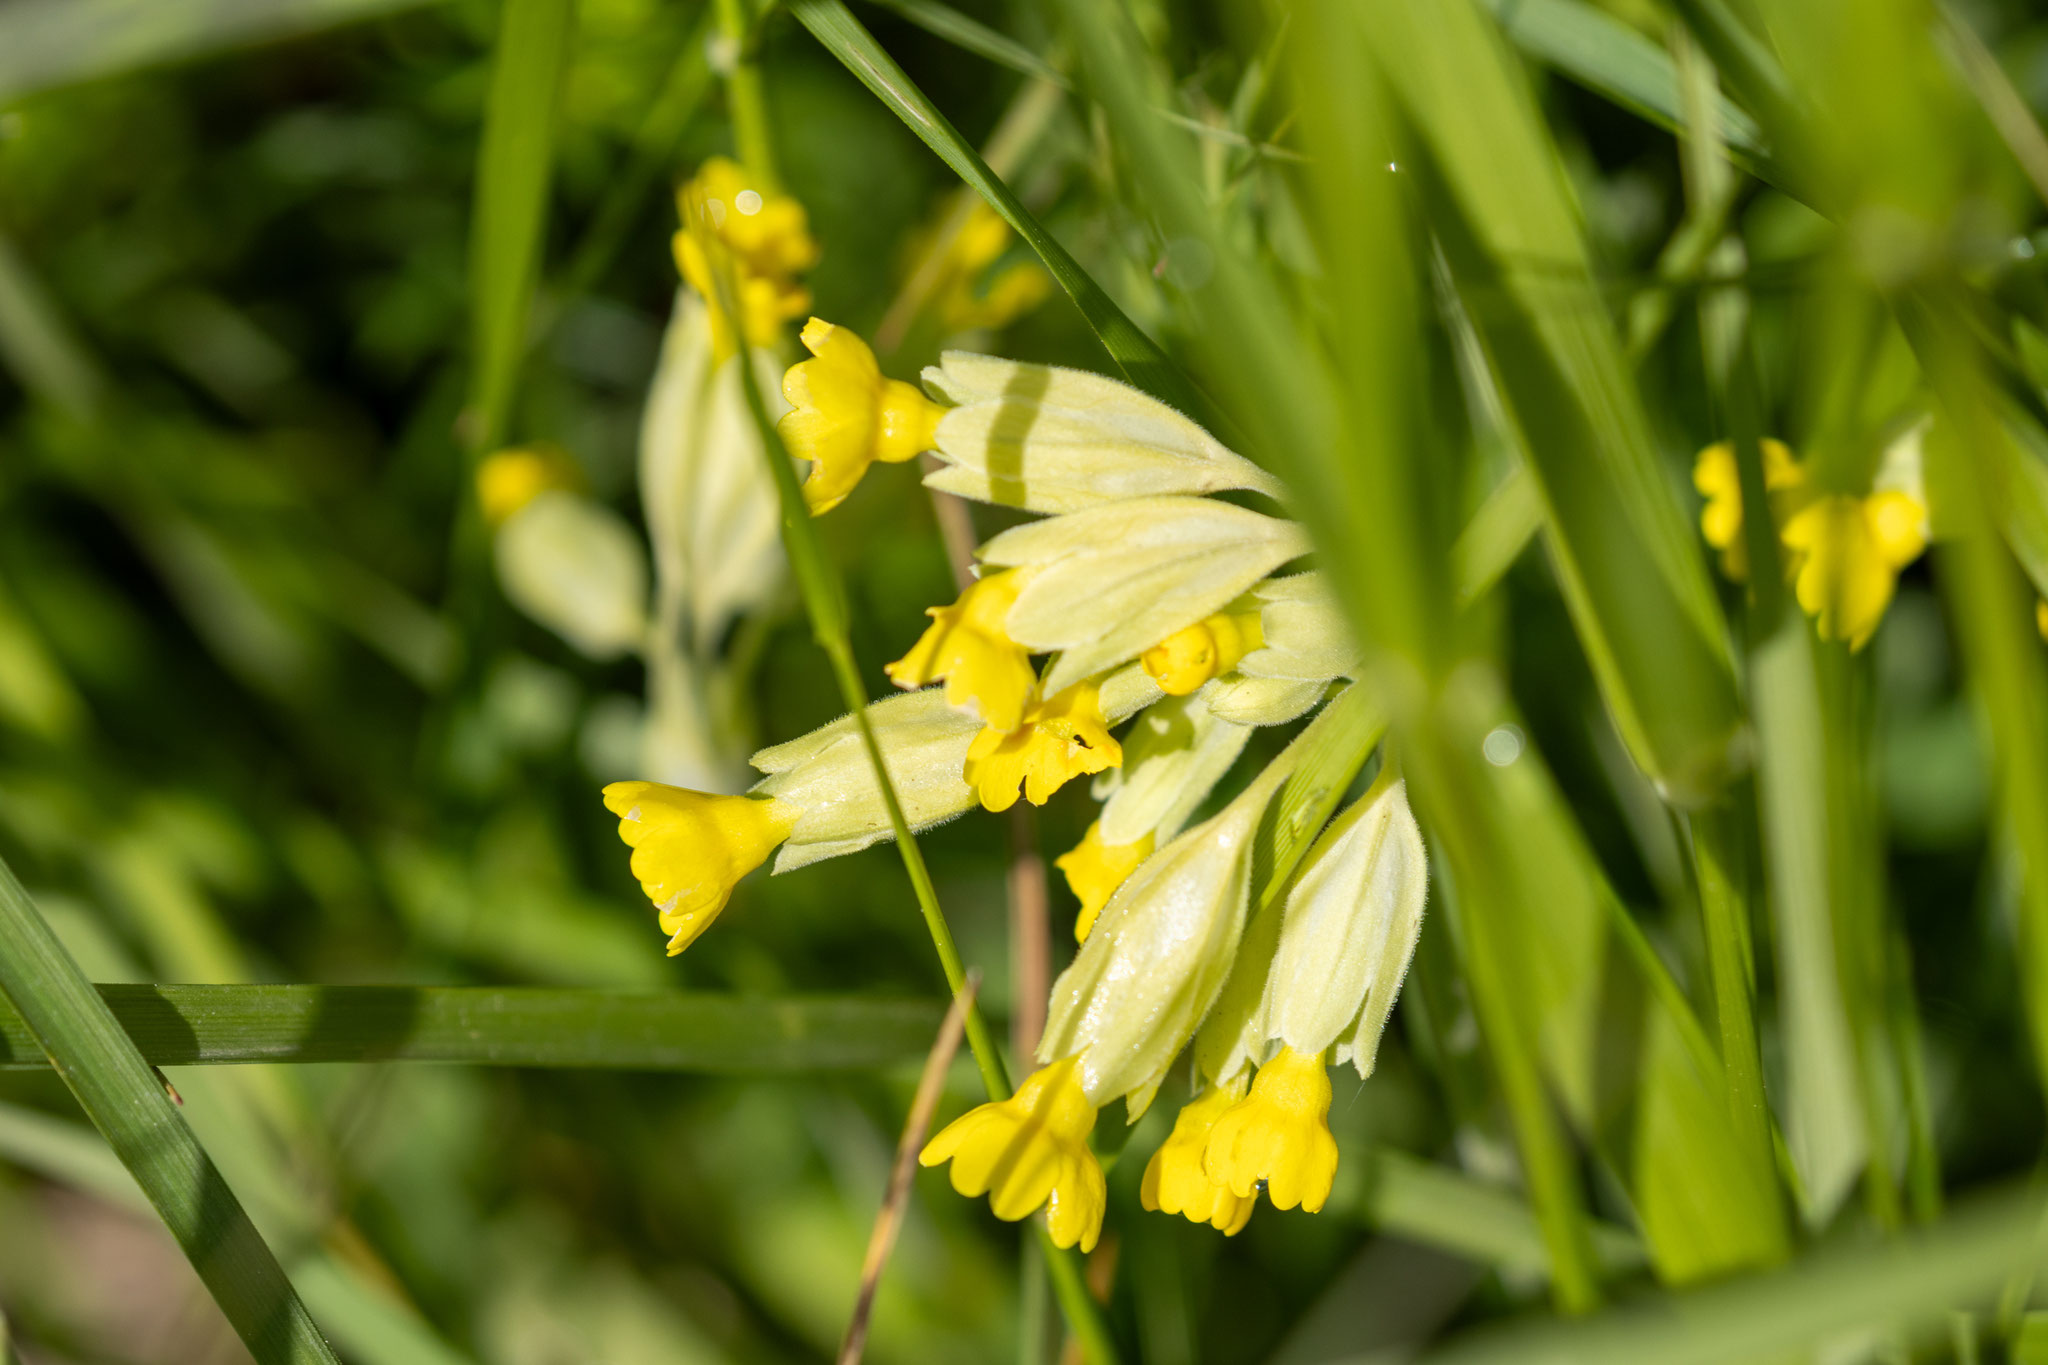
1625 557
1592 47
49 43
508 222
502 1026
36 341
971 35
1135 353
1957 1263
128 1103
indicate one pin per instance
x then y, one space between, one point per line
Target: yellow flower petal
1176 1180
1211 647
1061 738
1846 555
845 415
690 848
1715 475
1028 1150
965 644
1094 871
1279 1133
509 479
765 240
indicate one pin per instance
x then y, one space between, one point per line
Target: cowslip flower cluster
1843 551
1135 602
763 237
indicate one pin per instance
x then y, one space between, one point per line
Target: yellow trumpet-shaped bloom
1846 556
690 848
766 239
1279 1133
507 480
965 645
1094 871
1028 1150
970 297
1061 738
845 415
1177 1181
1209 648
1714 473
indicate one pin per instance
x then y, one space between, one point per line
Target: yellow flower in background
971 298
2041 617
765 239
1176 1178
1279 1133
845 415
1028 1150
690 849
1846 556
509 479
1062 737
965 645
1714 473
1211 647
1094 870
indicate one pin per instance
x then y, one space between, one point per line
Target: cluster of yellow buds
1159 609
1843 551
761 236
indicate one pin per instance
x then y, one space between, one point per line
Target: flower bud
1158 955
1114 580
576 567
1302 632
828 780
1174 755
1249 701
1058 440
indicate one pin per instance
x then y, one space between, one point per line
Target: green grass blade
1421 1201
36 341
509 217
1600 52
1625 556
1136 354
1956 1263
127 1102
971 35
502 1026
45 44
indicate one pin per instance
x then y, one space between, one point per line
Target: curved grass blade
490 1026
128 1103
1136 354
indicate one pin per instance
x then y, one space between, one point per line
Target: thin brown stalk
889 1220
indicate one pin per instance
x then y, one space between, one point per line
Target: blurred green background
264 716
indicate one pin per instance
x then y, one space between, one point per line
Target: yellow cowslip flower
845 415
507 480
969 299
1209 648
1028 1150
1714 474
1177 1181
690 848
965 645
1279 1133
1061 738
766 239
1846 553
1095 870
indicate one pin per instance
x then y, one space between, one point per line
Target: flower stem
747 103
